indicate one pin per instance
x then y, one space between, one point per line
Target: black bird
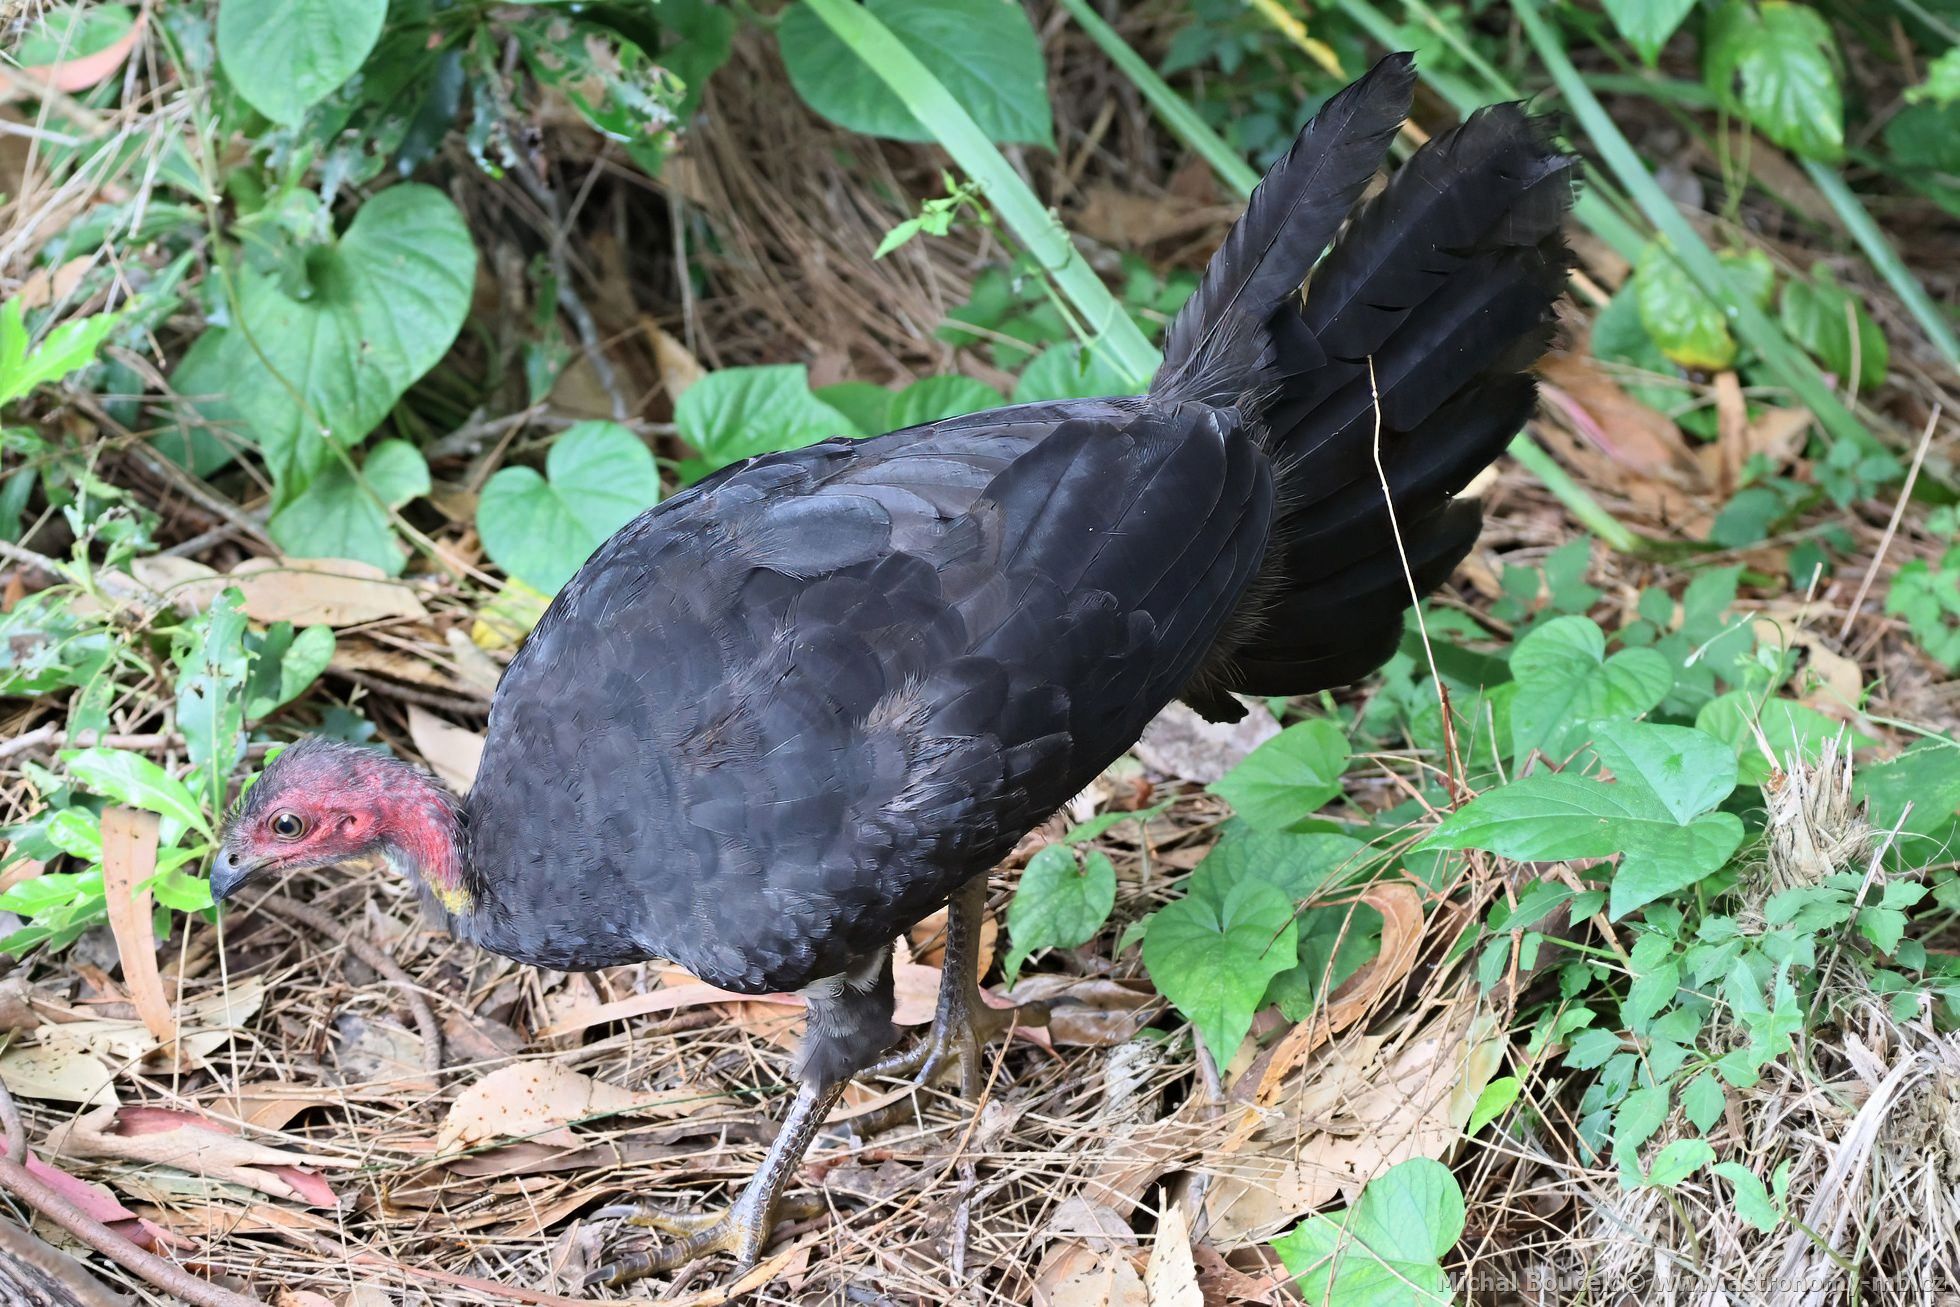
783 716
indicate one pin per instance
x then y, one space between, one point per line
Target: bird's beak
228 874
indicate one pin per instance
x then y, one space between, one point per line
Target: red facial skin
323 803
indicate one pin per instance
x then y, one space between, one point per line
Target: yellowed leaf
129 860
451 751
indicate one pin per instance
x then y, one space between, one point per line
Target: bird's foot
952 1046
742 1231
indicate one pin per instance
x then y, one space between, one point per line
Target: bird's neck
429 846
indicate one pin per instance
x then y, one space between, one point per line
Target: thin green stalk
1931 318
1182 120
1116 336
1587 510
1791 367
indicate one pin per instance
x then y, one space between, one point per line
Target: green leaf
1566 682
1335 941
67 32
1942 84
608 80
211 694
1773 64
866 406
1289 777
1654 813
984 51
1830 323
940 397
1070 372
77 832
41 894
1647 24
541 529
1749 1197
1058 904
387 301
289 670
1386 1250
1213 958
134 781
1702 1101
1496 1100
1795 731
1639 1115
1677 1162
1295 864
737 413
335 518
285 56
1689 327
68 348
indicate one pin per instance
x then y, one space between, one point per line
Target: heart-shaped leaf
1773 64
1565 681
985 51
939 397
1386 1250
737 413
387 302
540 529
1058 904
285 56
1287 779
335 518
1213 957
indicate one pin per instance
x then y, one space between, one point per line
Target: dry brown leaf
333 591
1402 929
1171 1278
1180 744
198 1145
129 860
59 1067
362 656
1076 1275
1632 435
678 368
21 872
1127 221
451 751
82 72
539 1099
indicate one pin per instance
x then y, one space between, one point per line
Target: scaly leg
964 1021
741 1230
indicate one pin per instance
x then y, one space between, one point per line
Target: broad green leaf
940 397
387 301
288 675
135 781
1058 904
42 893
1297 864
67 32
1702 1101
1926 777
541 529
1750 1198
1942 84
1647 24
1386 1250
1677 1162
1071 372
1496 1100
1335 941
1832 325
1690 328
335 518
984 51
285 56
608 79
1639 1115
68 348
737 413
866 406
1566 682
211 694
1289 777
1652 813
181 892
1773 63
77 832
1795 731
1214 958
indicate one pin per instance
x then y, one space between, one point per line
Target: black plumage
783 716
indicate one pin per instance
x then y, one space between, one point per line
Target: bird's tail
1412 338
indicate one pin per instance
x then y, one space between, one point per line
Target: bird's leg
850 1024
964 1021
743 1229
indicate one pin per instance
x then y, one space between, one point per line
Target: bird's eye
288 825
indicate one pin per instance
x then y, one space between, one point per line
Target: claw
695 1235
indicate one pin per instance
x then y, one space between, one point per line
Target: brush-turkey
780 718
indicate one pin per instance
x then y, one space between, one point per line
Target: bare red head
324 803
